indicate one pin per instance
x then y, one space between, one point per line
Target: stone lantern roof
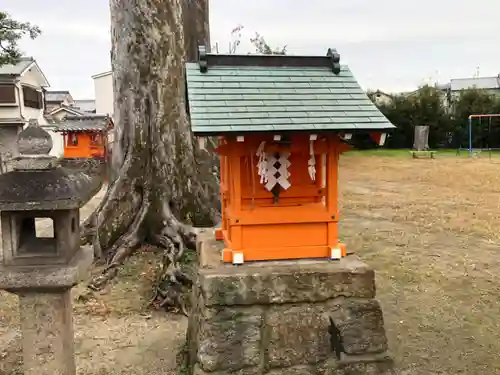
38 182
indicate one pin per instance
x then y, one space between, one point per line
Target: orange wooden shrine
86 136
299 222
282 123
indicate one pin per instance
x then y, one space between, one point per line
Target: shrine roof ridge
84 123
330 60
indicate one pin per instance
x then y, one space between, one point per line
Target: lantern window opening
35 235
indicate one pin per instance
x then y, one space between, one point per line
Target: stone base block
16 278
297 317
423 154
47 333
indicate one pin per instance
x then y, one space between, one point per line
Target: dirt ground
430 228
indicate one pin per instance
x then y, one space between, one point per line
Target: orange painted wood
332 177
286 235
332 189
299 145
343 147
235 198
280 253
377 137
84 147
219 235
271 215
304 224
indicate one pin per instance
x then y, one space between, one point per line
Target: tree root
129 203
172 282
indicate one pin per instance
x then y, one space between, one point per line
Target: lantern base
47 278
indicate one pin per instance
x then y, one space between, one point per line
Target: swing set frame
469 124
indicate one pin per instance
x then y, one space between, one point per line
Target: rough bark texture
196 27
158 180
197 33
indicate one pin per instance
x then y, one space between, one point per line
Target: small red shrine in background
86 136
282 123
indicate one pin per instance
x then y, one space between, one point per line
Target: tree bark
196 27
158 181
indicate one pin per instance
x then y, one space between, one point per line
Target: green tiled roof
244 96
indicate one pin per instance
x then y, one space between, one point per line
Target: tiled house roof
481 83
56 96
17 69
242 93
83 123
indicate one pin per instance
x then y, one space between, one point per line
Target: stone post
301 317
421 138
42 269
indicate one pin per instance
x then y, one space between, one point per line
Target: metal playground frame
480 116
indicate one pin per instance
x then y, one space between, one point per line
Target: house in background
103 88
85 105
22 98
380 97
56 99
59 104
490 85
59 113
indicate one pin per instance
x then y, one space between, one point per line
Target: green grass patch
406 153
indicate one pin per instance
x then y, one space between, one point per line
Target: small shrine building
86 136
281 123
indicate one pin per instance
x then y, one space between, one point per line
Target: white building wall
57 142
31 78
104 99
10 112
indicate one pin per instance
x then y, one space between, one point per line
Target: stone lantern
43 267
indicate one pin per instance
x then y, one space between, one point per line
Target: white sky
392 45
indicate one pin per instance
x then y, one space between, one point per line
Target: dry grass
430 228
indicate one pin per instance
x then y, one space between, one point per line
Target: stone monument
421 138
42 270
421 143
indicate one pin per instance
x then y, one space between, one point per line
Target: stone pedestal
289 317
47 332
46 312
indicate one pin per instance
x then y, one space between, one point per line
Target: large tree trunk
196 27
158 181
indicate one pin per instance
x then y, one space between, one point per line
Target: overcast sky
389 44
